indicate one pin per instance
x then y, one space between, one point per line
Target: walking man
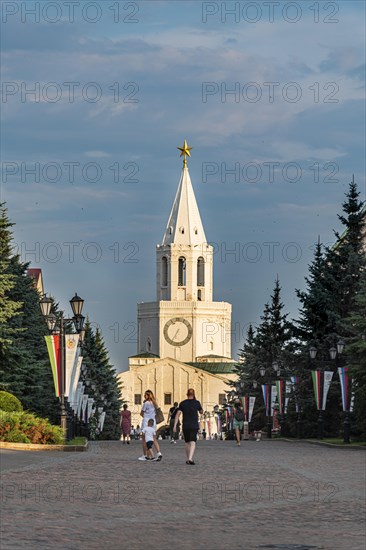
190 408
173 433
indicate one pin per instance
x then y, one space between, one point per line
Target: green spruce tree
9 308
101 373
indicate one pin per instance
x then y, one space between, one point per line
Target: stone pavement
267 494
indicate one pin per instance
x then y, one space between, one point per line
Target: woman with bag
148 412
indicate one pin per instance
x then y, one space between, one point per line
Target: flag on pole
267 394
280 396
328 375
321 383
251 407
317 383
273 398
71 350
345 388
294 386
54 353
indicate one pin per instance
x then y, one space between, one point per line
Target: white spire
184 225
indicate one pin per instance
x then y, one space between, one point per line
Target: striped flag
321 383
280 395
54 353
267 394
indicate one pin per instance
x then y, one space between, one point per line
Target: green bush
34 429
16 436
9 403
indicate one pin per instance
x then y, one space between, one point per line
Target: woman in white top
147 413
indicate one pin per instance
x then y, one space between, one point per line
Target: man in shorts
190 408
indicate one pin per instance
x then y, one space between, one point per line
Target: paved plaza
268 494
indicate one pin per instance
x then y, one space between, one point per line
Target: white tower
184 323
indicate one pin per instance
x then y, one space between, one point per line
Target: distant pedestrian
171 416
148 413
125 424
238 421
190 408
204 434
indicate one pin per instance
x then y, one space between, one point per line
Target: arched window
164 271
200 271
182 271
148 344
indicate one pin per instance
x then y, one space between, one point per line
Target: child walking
150 438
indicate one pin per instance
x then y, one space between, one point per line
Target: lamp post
283 374
333 353
57 325
262 372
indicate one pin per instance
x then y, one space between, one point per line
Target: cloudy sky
97 95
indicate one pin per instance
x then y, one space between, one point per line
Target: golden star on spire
185 152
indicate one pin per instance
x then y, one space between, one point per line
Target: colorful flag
345 388
54 353
280 395
321 383
267 398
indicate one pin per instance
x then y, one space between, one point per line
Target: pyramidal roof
184 225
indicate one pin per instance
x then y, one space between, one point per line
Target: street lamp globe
313 351
275 366
51 321
333 353
255 384
45 304
262 371
340 346
76 305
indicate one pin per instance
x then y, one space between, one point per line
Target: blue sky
293 132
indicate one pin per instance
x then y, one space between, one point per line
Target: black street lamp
58 324
334 352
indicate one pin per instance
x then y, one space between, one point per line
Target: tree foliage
101 373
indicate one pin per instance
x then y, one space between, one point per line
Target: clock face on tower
177 331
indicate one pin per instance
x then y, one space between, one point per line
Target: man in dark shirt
173 433
190 408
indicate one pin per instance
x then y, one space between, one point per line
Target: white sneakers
143 458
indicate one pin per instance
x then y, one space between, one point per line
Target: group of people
187 409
